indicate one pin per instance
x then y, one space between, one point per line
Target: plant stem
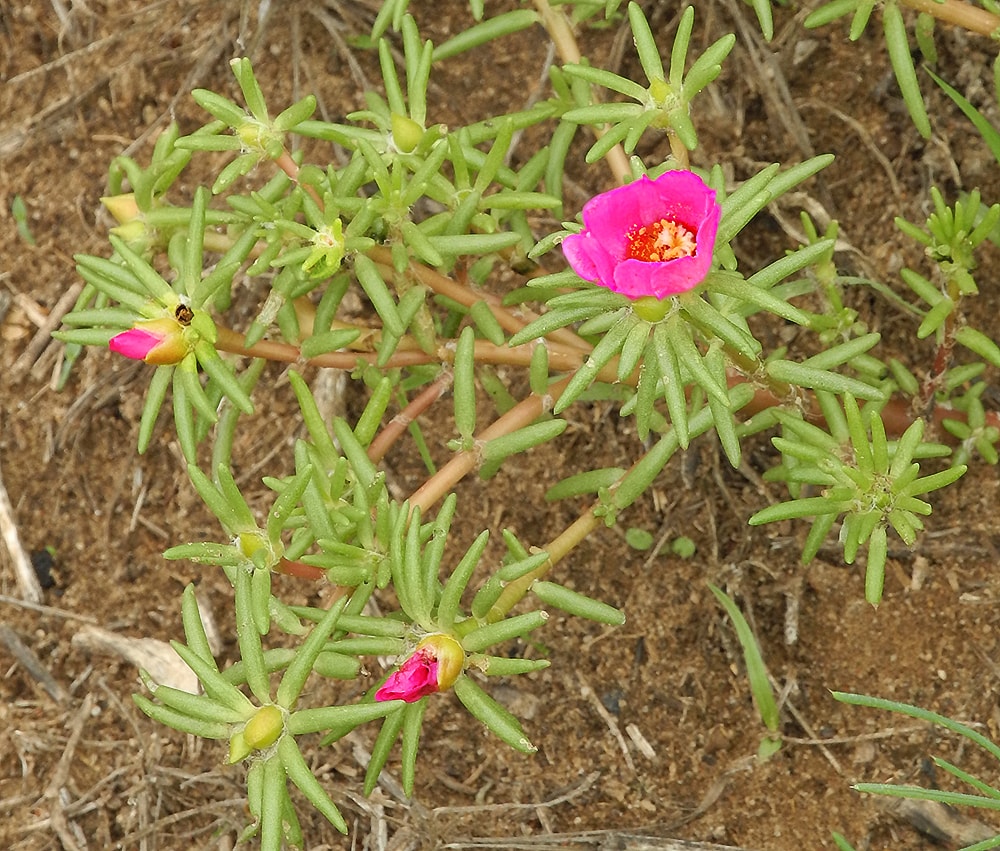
409 354
557 549
558 27
462 463
961 14
398 424
443 285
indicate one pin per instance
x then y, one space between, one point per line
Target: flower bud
406 133
433 666
264 727
156 341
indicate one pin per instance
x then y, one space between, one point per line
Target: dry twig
24 572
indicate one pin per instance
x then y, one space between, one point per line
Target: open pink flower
648 238
433 666
155 341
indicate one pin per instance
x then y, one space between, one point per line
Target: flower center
659 241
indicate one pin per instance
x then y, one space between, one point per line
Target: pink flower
155 341
433 666
648 238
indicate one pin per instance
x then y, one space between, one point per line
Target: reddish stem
961 14
392 430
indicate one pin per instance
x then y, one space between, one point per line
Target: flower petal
135 343
588 258
636 279
600 253
416 678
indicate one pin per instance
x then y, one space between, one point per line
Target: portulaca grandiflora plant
640 299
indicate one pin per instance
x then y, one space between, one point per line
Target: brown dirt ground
92 770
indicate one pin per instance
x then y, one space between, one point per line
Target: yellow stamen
660 241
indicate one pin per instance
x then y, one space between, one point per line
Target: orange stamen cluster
660 241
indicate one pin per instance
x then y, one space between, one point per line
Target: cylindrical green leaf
584 483
608 346
487 323
522 439
811 506
707 66
248 636
383 744
196 706
339 717
661 347
679 49
456 583
821 379
222 374
220 107
155 395
294 680
492 714
505 666
361 465
413 716
295 114
216 686
977 342
272 804
474 243
182 722
302 776
464 388
378 293
609 80
194 627
494 633
645 44
875 571
898 46
829 12
561 597
479 34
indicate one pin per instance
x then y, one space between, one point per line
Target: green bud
264 728
406 132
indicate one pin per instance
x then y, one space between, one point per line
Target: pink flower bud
155 341
648 238
433 666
